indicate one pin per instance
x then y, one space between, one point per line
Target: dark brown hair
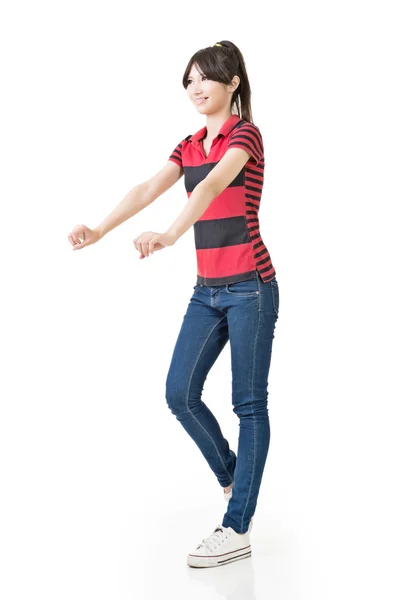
222 63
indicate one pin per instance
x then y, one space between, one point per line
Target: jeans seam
187 398
254 420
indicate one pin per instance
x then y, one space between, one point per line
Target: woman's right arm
135 200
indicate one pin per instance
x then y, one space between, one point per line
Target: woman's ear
235 83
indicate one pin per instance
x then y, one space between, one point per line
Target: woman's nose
197 89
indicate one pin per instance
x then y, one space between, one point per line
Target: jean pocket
275 296
243 288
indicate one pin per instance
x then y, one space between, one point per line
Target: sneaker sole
199 562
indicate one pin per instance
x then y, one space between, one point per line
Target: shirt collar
225 129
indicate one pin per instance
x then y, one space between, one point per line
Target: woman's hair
221 63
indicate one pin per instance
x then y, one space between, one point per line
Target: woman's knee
182 398
175 395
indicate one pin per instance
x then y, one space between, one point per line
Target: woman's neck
214 124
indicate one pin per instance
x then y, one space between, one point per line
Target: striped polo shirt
229 246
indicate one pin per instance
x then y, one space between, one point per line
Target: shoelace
213 540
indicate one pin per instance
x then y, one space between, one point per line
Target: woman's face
199 87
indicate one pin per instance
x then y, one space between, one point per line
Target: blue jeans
245 313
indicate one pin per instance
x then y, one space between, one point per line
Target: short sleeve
248 137
177 154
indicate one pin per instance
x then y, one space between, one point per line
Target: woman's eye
190 81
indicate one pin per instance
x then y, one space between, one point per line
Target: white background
103 494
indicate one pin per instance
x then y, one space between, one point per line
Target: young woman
236 295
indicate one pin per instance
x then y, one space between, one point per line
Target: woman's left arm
200 199
207 190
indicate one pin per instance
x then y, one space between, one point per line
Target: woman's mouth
200 100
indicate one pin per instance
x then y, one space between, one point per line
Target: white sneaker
222 547
228 496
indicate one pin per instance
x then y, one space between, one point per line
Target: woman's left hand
150 241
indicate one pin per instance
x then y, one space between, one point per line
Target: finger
141 238
152 243
80 245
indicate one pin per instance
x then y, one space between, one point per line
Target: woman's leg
252 314
203 335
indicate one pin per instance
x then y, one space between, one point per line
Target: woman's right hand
82 236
